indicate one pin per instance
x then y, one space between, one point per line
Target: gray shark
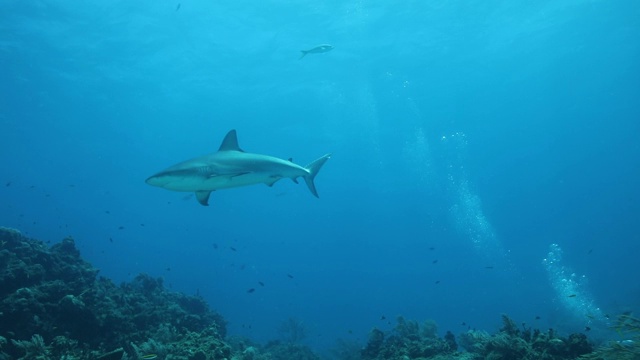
231 167
316 50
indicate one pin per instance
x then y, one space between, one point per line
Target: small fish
590 316
261 283
488 267
8 184
232 248
437 281
290 276
107 212
178 7
537 318
383 317
464 323
434 262
120 227
572 295
586 328
110 239
432 248
149 356
168 269
215 246
590 251
141 224
316 50
251 290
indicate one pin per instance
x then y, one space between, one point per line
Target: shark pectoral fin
294 180
203 197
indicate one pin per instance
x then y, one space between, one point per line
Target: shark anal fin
203 197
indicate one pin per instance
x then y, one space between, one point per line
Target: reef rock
54 304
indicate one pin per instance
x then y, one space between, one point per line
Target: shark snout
156 181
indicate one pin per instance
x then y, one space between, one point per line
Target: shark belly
211 179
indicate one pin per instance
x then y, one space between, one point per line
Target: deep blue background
472 134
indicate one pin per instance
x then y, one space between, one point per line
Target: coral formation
292 331
410 341
511 342
628 348
55 306
63 307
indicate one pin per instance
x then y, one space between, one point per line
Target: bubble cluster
571 289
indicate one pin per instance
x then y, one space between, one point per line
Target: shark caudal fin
313 169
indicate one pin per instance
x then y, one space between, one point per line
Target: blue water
467 139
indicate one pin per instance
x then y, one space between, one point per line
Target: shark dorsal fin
230 142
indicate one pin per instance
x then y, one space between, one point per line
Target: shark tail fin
313 169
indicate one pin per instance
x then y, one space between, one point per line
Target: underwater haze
485 155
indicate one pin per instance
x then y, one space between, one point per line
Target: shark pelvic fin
272 181
313 169
230 142
203 197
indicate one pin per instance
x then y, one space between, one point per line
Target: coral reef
54 298
292 331
628 327
53 305
408 340
511 342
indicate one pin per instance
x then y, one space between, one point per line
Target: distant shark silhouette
316 50
231 167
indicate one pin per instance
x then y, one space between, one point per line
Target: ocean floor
55 306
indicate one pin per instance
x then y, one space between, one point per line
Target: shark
231 167
316 50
